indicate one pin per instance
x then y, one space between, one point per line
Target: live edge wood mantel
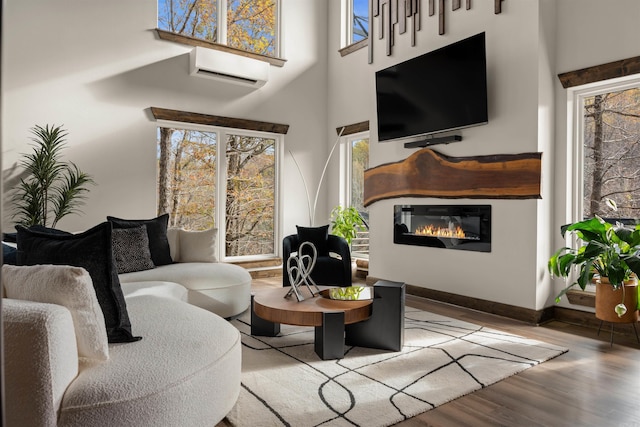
427 173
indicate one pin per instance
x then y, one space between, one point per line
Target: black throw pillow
157 232
9 237
9 254
92 251
316 235
49 230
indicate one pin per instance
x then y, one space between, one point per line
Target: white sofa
184 372
222 288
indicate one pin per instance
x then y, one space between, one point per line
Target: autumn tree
250 195
359 163
187 186
251 24
611 153
186 177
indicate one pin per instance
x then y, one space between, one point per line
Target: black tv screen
439 91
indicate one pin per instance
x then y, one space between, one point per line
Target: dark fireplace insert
462 227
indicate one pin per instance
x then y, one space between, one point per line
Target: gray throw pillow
131 249
157 232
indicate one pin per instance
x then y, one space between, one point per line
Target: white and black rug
284 382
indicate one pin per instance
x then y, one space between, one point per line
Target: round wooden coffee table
269 308
271 305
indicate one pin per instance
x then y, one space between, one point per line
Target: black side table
385 328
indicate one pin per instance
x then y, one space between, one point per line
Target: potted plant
610 253
51 188
346 222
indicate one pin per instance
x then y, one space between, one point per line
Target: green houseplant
610 251
51 188
346 222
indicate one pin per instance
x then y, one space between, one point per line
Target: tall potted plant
611 254
51 188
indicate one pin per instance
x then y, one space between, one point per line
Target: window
250 25
209 176
250 195
608 150
357 21
358 162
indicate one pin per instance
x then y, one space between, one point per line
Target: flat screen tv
440 91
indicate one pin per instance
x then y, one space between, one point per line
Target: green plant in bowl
351 293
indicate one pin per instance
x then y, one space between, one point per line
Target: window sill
583 298
192 41
353 47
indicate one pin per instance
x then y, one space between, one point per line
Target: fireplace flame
449 232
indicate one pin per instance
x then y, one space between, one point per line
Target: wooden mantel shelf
427 173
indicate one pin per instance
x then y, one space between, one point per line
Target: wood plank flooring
591 385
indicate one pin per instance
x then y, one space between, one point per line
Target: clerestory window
356 21
249 25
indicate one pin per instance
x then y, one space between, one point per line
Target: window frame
346 28
575 149
575 101
346 161
348 141
221 43
221 188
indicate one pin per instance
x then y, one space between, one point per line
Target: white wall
527 46
509 273
96 67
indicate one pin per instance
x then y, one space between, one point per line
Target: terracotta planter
607 298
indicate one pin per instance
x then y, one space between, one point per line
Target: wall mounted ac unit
228 67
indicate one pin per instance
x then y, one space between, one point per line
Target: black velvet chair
329 269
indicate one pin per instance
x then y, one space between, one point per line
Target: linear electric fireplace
462 227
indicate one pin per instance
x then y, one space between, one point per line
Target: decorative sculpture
299 269
392 13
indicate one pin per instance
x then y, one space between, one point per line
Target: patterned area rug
284 382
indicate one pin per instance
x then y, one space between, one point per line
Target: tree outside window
187 169
359 20
249 25
611 165
359 163
189 178
250 196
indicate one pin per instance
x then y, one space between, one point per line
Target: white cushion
67 286
156 288
193 246
198 246
173 236
222 288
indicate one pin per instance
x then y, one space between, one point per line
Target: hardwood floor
593 384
